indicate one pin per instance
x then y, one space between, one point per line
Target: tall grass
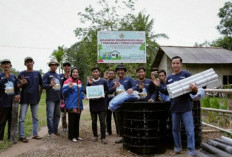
216 118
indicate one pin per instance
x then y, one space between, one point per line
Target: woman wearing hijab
73 95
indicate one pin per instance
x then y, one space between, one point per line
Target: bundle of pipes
201 79
216 147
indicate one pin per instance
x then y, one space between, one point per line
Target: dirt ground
62 147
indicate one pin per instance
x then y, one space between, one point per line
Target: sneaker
79 138
37 137
52 135
120 140
94 139
103 141
74 140
23 139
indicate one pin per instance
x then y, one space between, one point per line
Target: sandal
173 153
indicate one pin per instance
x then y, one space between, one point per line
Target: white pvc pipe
201 79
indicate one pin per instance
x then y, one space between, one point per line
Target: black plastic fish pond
147 127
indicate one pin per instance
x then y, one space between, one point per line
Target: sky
37 27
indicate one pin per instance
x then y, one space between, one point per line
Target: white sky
36 27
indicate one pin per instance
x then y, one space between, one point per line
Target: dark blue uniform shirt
30 91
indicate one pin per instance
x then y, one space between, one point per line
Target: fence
228 93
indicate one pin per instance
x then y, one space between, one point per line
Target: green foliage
225 14
205 102
218 103
225 28
78 58
224 42
214 103
59 55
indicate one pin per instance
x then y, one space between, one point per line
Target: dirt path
62 147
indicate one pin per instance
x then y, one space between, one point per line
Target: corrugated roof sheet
199 55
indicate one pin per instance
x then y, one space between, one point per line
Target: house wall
220 69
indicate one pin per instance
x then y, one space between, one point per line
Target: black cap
5 61
120 66
28 58
66 63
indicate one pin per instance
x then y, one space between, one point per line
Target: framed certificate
93 92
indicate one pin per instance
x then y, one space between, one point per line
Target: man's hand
23 81
116 84
130 91
193 87
90 80
150 100
156 82
17 98
7 75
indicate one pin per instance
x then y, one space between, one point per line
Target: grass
219 119
28 123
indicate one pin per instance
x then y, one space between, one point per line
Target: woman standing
73 95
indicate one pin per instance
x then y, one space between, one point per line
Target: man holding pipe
181 108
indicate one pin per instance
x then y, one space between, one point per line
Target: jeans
35 121
102 118
53 116
187 119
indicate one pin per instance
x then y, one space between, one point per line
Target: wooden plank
14 122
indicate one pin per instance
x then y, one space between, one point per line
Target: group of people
65 92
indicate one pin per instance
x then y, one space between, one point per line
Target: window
227 79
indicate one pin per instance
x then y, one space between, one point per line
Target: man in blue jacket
52 84
8 92
31 84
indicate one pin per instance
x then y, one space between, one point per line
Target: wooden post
14 122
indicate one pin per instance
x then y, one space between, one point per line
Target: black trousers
63 118
102 118
73 125
119 121
5 115
108 122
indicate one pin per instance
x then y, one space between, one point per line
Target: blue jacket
71 94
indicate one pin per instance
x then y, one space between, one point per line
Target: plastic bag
118 100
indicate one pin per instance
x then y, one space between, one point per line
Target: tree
225 27
225 13
108 18
224 42
142 22
79 59
59 55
